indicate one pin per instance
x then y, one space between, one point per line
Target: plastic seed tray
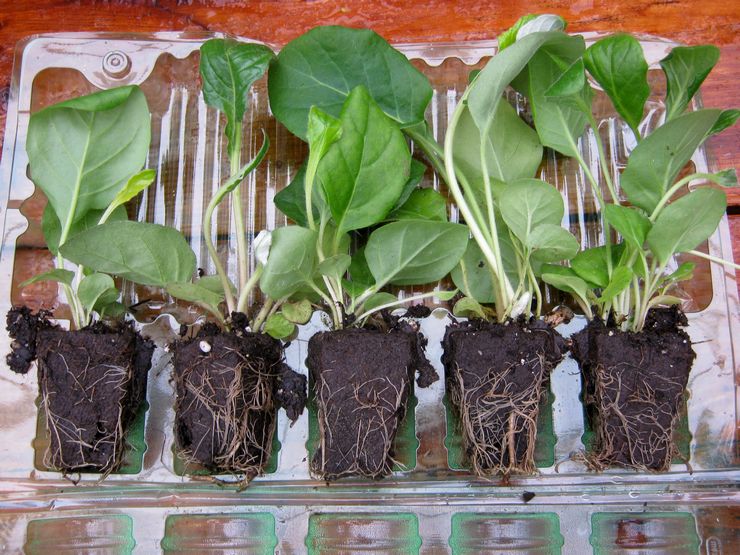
430 504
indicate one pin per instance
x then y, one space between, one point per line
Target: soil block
497 377
229 386
92 383
634 387
362 380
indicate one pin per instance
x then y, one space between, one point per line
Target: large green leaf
144 253
82 152
291 263
473 276
414 252
685 223
322 67
53 229
227 70
528 203
58 275
196 293
685 69
416 174
552 243
618 65
657 160
512 148
364 172
423 204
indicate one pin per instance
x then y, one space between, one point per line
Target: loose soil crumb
634 389
362 379
497 377
229 386
23 327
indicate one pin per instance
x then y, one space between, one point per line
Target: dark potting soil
92 383
362 380
634 389
23 326
229 386
497 376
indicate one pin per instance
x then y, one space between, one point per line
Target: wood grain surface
278 21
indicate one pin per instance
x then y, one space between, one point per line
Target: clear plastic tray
432 505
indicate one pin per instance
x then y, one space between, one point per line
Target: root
380 405
238 400
499 420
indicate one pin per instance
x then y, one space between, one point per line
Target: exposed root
498 419
226 413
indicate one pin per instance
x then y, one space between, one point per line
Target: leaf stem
241 305
235 154
396 303
715 259
262 315
225 283
667 196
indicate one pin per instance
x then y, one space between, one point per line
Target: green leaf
97 289
322 67
227 70
527 204
144 253
196 293
468 308
571 90
551 243
621 279
591 264
665 300
508 37
656 161
414 252
235 180
618 65
136 184
473 276
685 69
53 229
299 312
213 283
292 261
686 222
278 326
364 173
379 299
416 174
446 295
359 271
423 204
335 266
512 149
83 151
559 121
629 222
566 280
725 178
684 272
112 310
57 274
726 119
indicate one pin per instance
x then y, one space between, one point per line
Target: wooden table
711 21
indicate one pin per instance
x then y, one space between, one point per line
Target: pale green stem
262 315
396 303
225 283
602 160
335 315
235 156
667 196
715 259
241 305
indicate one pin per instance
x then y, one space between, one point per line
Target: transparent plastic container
430 504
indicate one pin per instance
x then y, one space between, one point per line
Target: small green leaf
566 280
473 276
629 222
144 253
227 70
291 200
196 293
136 184
335 266
508 37
725 178
423 204
685 69
591 264
571 89
97 288
298 312
112 310
379 299
291 263
359 271
235 180
416 174
57 274
414 252
278 326
446 295
552 243
213 283
621 279
618 65
684 272
527 204
468 308
726 119
665 300
685 223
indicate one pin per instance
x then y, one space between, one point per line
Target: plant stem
241 305
602 159
396 303
667 196
430 147
715 259
235 155
262 315
225 283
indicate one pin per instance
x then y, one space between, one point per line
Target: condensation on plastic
187 152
